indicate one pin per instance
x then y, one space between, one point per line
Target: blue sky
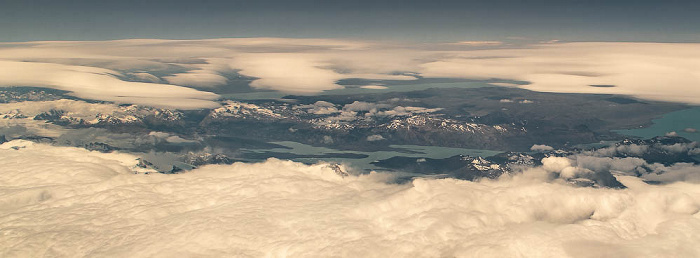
570 20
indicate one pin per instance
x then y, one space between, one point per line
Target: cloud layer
657 71
61 201
101 84
99 69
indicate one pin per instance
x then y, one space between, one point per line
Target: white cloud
374 87
207 74
74 108
321 108
626 149
101 84
309 66
504 84
169 138
637 69
406 111
479 43
178 139
375 137
364 106
161 135
679 147
146 77
60 201
541 147
327 139
197 78
296 73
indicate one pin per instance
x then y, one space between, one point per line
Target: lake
416 151
676 121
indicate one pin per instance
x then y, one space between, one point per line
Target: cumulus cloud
360 110
345 116
375 137
679 147
327 139
92 204
364 106
541 147
629 166
320 108
169 138
626 149
406 111
695 151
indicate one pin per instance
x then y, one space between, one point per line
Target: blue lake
677 122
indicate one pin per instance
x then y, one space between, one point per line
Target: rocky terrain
481 118
647 156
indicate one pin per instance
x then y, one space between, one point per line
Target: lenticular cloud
162 73
62 201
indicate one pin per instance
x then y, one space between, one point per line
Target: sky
422 21
68 201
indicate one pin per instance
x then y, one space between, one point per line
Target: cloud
636 69
74 108
309 66
406 111
479 43
69 201
679 147
197 78
101 84
327 139
146 77
295 73
364 106
203 75
169 138
374 87
626 149
320 108
504 84
375 137
540 147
